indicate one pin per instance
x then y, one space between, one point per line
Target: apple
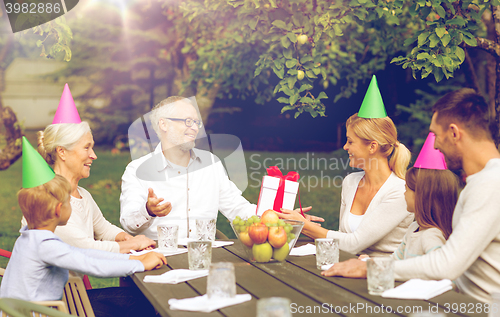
300 74
262 252
302 39
277 237
245 239
258 232
281 253
269 216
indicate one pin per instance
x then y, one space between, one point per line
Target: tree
52 39
343 42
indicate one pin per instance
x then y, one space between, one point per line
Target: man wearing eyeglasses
177 183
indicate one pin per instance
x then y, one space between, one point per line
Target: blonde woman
68 149
373 215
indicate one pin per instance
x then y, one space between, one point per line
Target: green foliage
128 60
439 47
303 45
415 130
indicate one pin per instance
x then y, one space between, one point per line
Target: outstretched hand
295 215
153 205
151 260
353 268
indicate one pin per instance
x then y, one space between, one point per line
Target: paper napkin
326 267
307 249
419 289
175 276
203 304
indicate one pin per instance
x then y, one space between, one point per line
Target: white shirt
471 255
198 191
354 221
384 223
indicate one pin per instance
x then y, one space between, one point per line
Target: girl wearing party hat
373 215
431 193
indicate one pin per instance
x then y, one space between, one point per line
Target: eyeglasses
189 122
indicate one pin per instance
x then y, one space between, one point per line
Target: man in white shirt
471 256
177 183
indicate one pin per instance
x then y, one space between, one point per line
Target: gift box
277 190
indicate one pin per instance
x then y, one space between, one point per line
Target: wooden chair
10 307
75 296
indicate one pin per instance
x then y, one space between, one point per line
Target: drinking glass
199 255
168 236
327 252
380 274
205 229
221 282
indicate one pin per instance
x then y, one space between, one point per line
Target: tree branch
488 46
471 73
495 10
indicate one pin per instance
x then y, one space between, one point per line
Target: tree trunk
13 148
496 22
205 100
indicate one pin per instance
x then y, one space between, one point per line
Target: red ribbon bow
274 171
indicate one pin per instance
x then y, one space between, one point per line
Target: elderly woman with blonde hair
373 214
69 149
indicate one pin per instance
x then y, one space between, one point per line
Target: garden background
282 76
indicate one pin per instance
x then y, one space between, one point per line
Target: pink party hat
429 157
66 111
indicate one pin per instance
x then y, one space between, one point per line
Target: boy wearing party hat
38 268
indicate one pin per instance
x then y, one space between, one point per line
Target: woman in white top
373 215
68 148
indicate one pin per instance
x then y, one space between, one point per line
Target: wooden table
300 281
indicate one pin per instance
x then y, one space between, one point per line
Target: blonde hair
383 131
39 203
66 135
436 194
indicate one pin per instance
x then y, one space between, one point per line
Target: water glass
199 255
380 274
168 236
327 252
205 229
221 282
274 307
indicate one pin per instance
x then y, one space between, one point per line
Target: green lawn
320 188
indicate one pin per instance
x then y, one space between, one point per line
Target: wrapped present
277 190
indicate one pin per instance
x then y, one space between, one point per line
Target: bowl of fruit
267 238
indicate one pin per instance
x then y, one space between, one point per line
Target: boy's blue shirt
38 267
